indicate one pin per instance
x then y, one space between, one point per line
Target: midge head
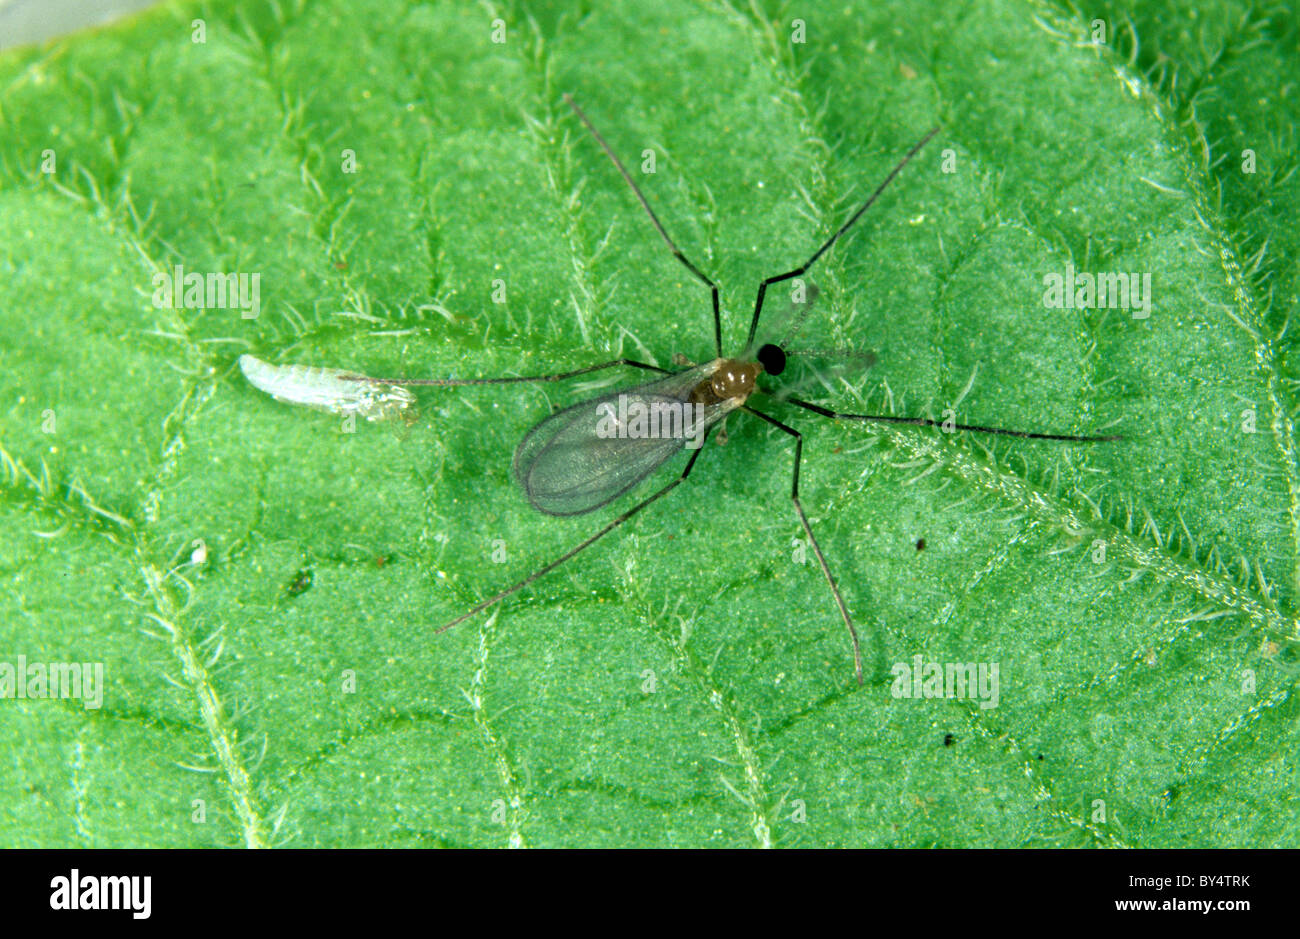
772 358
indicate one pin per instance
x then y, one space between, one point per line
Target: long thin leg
558 376
654 219
590 541
803 519
762 288
926 422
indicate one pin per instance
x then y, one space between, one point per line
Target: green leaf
234 563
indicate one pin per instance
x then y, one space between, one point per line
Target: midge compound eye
772 358
587 455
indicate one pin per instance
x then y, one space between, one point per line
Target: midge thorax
583 457
732 381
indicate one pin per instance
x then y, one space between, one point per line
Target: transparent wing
587 455
326 389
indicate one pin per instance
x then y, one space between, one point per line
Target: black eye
772 358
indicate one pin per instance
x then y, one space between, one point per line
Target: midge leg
926 422
803 519
558 376
802 268
654 220
619 520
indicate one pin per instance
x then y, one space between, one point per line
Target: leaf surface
687 680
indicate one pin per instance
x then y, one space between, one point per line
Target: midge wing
326 389
587 455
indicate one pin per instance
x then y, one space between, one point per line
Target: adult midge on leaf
572 463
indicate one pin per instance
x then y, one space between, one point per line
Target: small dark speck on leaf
920 544
949 740
301 582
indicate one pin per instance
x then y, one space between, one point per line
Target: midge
570 464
